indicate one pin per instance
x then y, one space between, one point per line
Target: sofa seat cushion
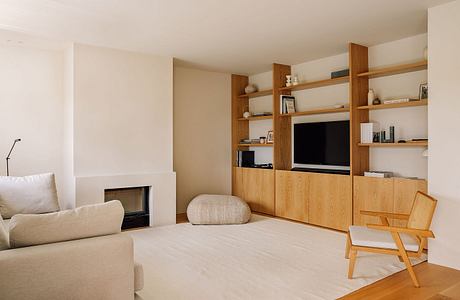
33 194
363 236
218 209
82 222
138 277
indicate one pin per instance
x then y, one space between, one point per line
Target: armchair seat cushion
363 236
218 209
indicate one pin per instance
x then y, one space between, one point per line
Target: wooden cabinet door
404 194
237 183
330 203
374 194
259 190
292 195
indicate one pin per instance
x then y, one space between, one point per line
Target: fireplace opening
135 201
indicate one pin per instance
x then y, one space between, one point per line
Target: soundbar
327 171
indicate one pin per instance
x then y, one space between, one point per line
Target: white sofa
72 254
91 268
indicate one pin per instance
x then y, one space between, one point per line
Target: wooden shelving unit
322 199
257 94
317 112
256 118
422 102
315 84
256 145
393 70
406 144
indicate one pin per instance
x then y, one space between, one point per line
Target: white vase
288 80
370 97
251 88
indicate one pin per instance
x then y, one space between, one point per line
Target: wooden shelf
399 69
256 118
257 94
317 112
255 145
315 84
396 105
407 144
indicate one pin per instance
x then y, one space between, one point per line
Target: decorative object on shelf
392 134
8 156
288 80
250 88
370 97
425 153
425 53
246 114
376 101
262 140
367 132
423 92
340 73
270 137
382 136
285 99
376 138
295 81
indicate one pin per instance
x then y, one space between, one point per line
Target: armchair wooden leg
347 248
400 258
351 264
402 252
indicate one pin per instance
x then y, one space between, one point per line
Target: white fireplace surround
162 200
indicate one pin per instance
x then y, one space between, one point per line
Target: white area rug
265 259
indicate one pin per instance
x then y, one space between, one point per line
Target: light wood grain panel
393 70
282 126
292 195
259 189
404 194
359 86
374 194
238 182
330 203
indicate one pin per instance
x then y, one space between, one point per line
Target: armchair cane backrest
422 212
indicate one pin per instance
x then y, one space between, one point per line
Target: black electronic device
322 145
245 158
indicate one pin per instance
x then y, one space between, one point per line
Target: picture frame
423 91
270 139
287 104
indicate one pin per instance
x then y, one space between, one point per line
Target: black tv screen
324 143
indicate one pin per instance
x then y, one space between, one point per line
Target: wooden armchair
403 242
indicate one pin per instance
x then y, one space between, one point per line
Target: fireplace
135 201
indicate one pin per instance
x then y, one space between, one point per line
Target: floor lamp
8 157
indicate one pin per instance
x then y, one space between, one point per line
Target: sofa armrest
92 268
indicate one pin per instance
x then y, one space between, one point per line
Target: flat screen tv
322 145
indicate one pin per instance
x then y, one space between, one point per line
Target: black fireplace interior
135 201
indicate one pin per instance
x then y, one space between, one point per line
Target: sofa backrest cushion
4 242
33 194
82 222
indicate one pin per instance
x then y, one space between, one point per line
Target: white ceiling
239 36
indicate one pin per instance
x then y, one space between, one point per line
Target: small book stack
287 104
378 174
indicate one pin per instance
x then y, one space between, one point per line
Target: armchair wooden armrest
385 214
413 231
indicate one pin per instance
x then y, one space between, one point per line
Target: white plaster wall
443 121
123 112
202 134
31 108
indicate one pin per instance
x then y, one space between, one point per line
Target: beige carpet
264 259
